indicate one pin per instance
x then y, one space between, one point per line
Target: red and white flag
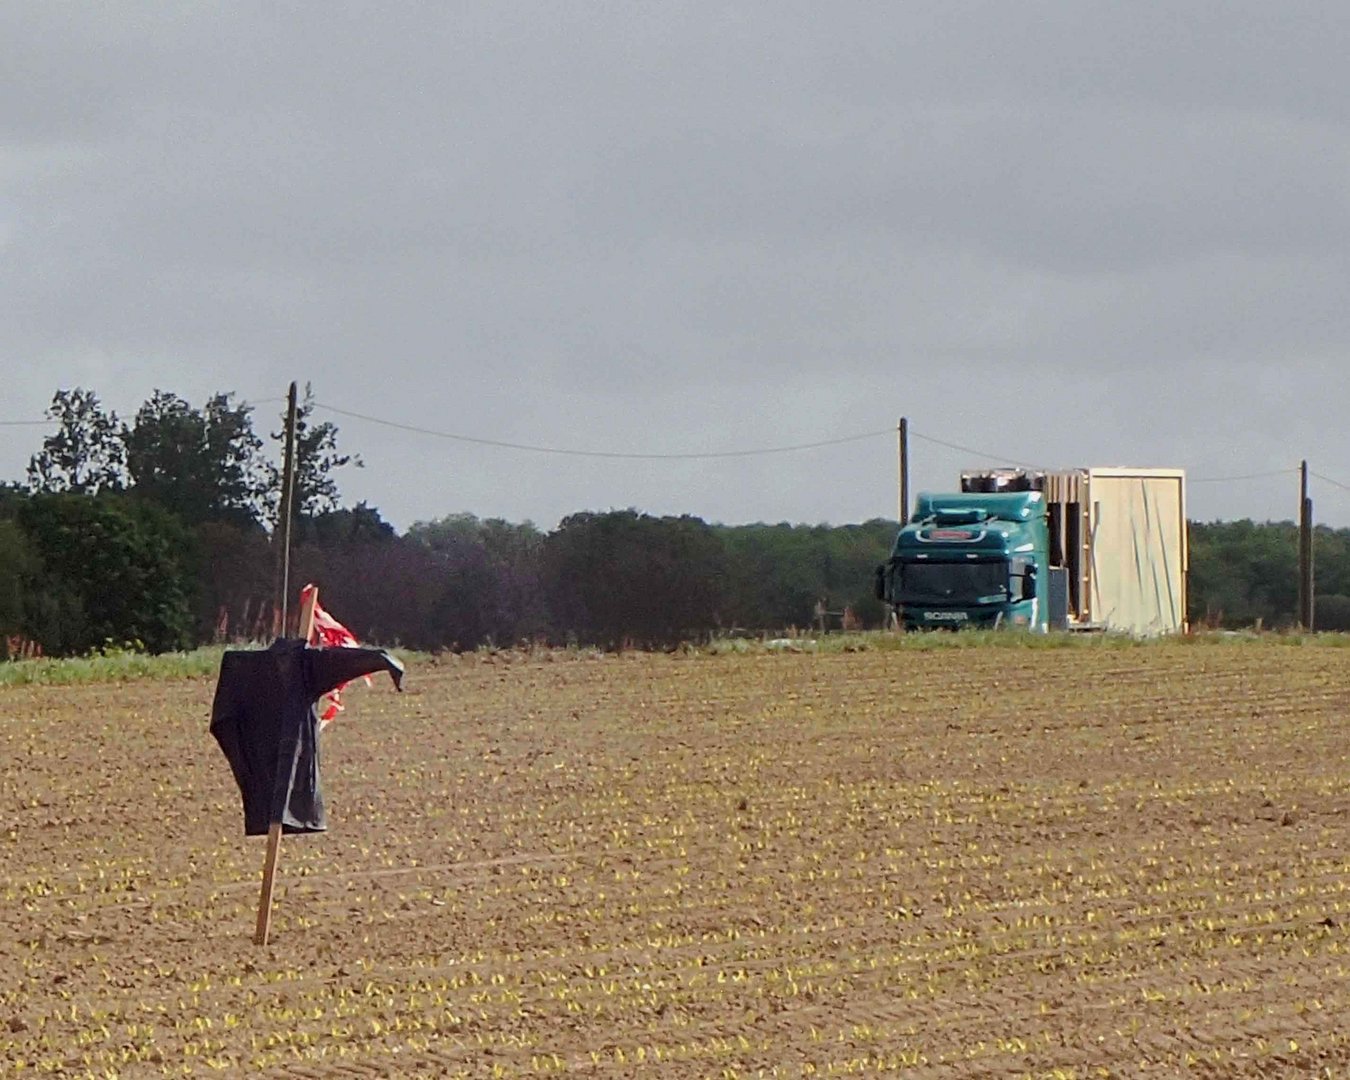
331 634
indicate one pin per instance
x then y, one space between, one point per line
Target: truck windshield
954 583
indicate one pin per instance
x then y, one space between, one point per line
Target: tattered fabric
265 721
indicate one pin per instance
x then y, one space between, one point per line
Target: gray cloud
1070 234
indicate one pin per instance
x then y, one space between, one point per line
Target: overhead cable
613 454
712 454
704 455
1329 480
968 450
1248 476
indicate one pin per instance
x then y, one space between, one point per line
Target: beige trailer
1121 535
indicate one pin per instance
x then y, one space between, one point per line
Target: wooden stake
307 606
269 878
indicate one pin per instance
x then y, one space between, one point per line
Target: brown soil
994 862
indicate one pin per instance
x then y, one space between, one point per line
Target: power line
1329 480
1248 476
704 455
612 454
968 450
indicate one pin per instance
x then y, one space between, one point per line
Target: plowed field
989 862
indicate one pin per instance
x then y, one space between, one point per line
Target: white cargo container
1121 534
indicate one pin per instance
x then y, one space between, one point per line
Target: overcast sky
1062 234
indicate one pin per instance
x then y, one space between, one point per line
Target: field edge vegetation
127 665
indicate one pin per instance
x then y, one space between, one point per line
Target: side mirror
1029 584
881 582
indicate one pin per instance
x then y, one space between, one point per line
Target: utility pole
287 515
902 441
1306 595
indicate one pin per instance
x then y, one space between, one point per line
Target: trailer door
1139 557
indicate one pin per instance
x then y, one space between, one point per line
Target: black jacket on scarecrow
265 721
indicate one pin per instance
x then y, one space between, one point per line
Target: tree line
159 534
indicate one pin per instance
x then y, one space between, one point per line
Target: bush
1332 613
114 571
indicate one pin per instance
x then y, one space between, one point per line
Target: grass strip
126 666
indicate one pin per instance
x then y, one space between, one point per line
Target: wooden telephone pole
283 575
1306 594
902 449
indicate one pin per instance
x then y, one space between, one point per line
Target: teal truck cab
1096 549
971 560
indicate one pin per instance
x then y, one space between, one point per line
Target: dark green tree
624 576
1331 560
1333 612
85 454
1243 573
19 568
489 573
778 573
203 465
12 496
114 570
361 524
386 591
233 582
